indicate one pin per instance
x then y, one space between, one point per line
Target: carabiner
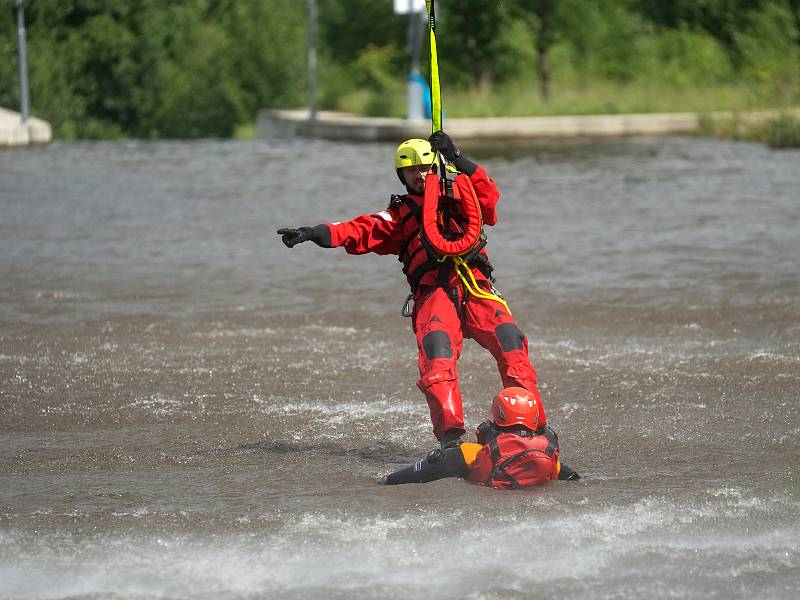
408 306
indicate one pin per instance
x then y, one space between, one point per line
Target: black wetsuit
437 464
448 462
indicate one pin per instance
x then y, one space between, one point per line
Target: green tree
470 36
268 51
602 38
721 18
794 8
543 22
9 79
186 68
363 53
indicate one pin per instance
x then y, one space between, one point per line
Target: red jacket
394 231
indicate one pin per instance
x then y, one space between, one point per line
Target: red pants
442 318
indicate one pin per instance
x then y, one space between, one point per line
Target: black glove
441 142
567 473
483 431
319 234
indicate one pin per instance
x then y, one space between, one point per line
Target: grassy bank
598 97
782 131
602 97
608 98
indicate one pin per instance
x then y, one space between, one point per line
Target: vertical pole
415 108
23 63
312 60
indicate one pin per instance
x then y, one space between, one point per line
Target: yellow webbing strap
436 94
472 285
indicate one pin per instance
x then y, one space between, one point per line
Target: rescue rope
436 93
474 289
436 188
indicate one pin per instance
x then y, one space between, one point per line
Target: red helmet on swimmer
515 406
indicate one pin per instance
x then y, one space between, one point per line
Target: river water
191 410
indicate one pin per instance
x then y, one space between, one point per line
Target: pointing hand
320 235
291 237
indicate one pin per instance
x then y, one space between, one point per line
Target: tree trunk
544 75
544 10
794 5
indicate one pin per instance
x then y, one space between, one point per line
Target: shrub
783 132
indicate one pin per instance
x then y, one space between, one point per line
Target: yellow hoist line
436 125
436 92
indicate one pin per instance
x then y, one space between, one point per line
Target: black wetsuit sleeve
438 464
321 235
567 473
465 165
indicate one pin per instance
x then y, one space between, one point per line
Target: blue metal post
415 86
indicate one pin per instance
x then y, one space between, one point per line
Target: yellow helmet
413 152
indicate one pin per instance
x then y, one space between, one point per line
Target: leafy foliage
190 68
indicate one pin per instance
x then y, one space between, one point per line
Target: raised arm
485 189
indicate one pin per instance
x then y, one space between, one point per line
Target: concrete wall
14 133
335 126
288 123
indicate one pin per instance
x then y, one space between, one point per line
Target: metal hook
408 306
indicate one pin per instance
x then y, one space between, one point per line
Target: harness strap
482 241
551 436
473 259
482 263
494 448
414 209
420 273
408 260
501 468
415 212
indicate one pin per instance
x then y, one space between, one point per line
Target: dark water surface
190 410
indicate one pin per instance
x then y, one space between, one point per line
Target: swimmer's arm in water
567 473
437 464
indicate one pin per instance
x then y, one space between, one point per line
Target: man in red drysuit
444 312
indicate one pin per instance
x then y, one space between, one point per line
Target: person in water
513 451
444 312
